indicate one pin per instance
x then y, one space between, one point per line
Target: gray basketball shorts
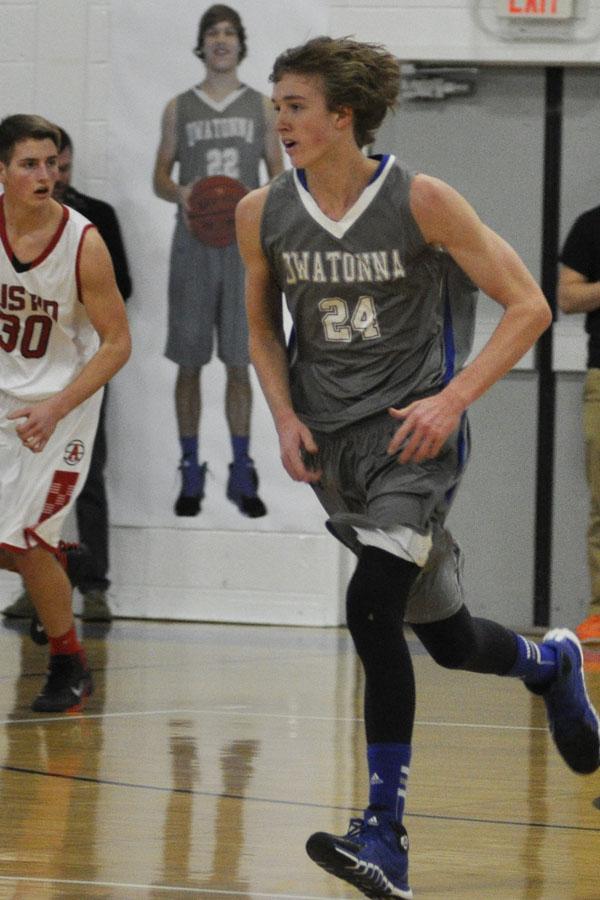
363 486
206 295
438 592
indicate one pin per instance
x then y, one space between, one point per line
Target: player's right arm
164 186
106 311
267 338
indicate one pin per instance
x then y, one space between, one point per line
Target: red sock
67 643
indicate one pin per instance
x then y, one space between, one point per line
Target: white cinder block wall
55 59
463 30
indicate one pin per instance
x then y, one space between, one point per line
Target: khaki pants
591 429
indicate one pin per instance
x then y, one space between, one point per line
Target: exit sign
535 9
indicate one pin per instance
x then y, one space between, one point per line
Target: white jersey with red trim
46 336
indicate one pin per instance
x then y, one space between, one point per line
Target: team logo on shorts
74 452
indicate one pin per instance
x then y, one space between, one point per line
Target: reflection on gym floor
209 753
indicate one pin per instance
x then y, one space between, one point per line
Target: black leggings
466 642
375 605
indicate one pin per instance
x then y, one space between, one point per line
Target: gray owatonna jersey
220 138
380 317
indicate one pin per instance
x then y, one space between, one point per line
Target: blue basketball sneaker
242 489
573 721
372 856
190 499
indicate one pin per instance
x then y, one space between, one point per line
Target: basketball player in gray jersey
220 127
379 269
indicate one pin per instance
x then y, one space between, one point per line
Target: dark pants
91 508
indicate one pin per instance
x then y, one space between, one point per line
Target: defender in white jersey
63 335
379 267
220 127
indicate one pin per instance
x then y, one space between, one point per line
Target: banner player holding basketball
217 132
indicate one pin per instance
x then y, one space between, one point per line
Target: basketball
211 209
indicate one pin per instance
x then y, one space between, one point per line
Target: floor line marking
238 711
274 801
23 879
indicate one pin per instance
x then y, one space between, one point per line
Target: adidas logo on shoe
375 779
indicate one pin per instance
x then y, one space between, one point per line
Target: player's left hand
40 422
426 426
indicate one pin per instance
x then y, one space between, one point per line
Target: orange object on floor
588 631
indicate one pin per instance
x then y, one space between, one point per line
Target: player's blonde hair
364 77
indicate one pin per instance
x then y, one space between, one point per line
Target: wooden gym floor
209 753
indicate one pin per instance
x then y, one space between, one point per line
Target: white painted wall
469 30
61 58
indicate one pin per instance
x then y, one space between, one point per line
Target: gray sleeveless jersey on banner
226 138
379 316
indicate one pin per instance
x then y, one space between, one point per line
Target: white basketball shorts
38 489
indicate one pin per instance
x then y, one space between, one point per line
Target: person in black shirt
91 505
97 211
579 292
